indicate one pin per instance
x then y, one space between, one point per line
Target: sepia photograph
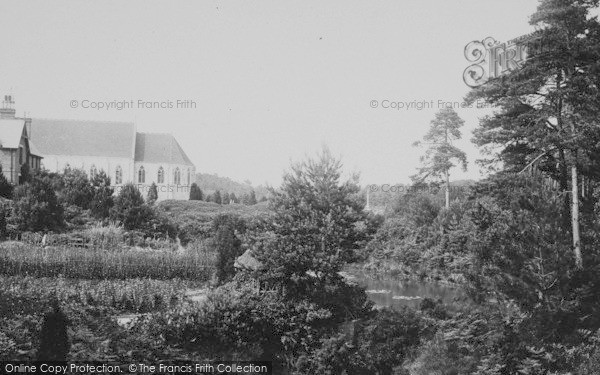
390 187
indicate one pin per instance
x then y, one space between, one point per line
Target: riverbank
398 272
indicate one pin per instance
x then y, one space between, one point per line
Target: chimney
27 125
7 110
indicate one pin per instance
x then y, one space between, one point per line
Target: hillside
209 183
195 217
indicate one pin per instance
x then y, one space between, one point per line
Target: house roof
34 150
159 148
83 138
11 131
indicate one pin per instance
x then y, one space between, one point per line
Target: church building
93 146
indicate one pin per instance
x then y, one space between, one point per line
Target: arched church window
177 177
161 175
118 175
141 175
188 177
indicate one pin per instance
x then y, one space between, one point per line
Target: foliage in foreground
80 263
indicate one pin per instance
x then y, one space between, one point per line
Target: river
394 293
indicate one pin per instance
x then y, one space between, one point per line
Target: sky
265 82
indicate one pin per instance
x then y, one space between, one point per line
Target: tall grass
105 237
24 294
16 259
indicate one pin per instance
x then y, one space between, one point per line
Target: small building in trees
16 147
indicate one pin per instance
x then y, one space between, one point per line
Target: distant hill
209 183
195 217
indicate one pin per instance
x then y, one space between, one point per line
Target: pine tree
102 200
439 157
217 197
130 209
152 194
318 224
195 192
548 109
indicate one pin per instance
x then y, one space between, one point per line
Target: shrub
36 206
75 188
240 323
152 194
377 346
195 193
227 244
130 209
6 187
4 210
102 201
54 340
105 237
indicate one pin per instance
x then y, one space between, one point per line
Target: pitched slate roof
159 148
10 132
83 138
33 149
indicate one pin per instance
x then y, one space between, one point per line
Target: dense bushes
36 206
129 208
6 187
376 345
239 323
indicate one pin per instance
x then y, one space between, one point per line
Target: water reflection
388 292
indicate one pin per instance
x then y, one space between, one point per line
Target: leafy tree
152 194
217 197
36 206
439 157
245 199
6 187
102 200
74 188
129 208
225 199
252 198
195 193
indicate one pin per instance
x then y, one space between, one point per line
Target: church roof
83 138
159 148
11 131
